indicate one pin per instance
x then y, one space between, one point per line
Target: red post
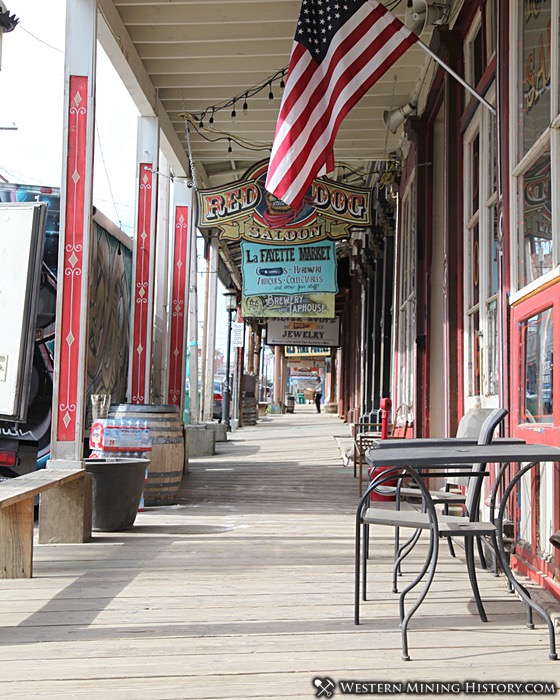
385 405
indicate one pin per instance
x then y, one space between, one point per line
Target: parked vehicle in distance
217 407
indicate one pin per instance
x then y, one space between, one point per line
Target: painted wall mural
108 347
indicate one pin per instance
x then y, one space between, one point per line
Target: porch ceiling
185 56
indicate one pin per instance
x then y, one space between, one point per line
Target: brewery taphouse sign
245 210
288 306
288 256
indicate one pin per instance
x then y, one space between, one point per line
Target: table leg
522 592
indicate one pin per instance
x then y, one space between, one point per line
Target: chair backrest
401 422
474 485
471 423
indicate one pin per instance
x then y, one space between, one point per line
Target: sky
32 96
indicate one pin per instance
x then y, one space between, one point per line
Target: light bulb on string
282 84
211 120
233 113
245 106
230 149
270 93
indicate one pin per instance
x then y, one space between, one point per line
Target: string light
233 112
229 148
199 117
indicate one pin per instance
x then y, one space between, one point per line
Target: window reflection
536 221
537 333
535 70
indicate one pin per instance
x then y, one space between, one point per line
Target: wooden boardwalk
245 590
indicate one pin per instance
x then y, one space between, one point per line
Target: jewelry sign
318 332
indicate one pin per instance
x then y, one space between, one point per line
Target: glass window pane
535 257
473 359
479 64
474 267
492 170
535 70
475 179
490 17
537 334
492 347
493 251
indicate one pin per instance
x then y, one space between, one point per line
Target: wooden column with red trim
75 233
179 301
144 258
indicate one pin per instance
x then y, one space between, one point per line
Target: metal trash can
290 403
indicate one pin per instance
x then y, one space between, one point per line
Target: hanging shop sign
288 306
306 351
245 210
288 269
322 333
237 335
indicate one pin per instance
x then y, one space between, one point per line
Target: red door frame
526 559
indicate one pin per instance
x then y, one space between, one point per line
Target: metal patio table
416 460
439 442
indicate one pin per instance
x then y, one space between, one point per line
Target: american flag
341 48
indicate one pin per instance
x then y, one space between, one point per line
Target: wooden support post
16 542
66 512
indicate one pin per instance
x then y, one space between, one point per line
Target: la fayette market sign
274 269
245 210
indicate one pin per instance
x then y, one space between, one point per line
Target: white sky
32 96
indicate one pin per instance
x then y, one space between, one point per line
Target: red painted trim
73 266
140 360
533 568
547 434
177 350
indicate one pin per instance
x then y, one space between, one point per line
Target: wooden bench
64 515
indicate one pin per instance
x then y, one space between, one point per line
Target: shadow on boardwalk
244 590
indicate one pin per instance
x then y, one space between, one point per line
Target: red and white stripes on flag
328 74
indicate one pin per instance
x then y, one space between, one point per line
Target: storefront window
493 252
535 67
535 204
492 363
537 335
473 358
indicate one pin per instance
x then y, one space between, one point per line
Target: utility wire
107 174
40 40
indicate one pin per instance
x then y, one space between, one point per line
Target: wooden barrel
167 457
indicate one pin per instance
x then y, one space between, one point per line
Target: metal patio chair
470 426
468 527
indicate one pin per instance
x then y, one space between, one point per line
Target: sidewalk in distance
245 590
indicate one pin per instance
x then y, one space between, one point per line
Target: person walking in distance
318 394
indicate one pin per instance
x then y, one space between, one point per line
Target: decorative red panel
74 264
178 305
140 355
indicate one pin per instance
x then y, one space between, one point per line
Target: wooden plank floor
245 590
